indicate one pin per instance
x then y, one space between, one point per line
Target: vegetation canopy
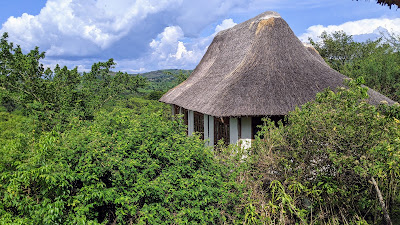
92 148
320 167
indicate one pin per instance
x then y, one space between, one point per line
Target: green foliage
377 61
380 68
337 48
125 166
70 154
393 40
161 81
155 95
318 167
180 76
53 97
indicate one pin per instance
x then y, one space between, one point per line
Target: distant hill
162 75
161 80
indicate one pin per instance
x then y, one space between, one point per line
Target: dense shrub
321 166
377 61
123 167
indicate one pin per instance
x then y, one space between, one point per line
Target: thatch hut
255 69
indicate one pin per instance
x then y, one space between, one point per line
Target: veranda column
233 130
206 129
190 122
209 130
172 109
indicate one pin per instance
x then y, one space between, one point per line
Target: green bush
320 166
123 167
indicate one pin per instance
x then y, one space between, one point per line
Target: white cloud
101 23
182 52
167 42
64 26
226 24
173 50
122 29
169 50
142 35
359 27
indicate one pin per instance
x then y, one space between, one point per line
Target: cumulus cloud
167 42
83 31
172 48
96 25
227 23
140 35
359 27
81 28
169 50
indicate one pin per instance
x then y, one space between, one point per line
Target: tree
53 97
180 76
337 48
377 61
123 167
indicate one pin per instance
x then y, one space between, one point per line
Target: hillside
159 75
161 81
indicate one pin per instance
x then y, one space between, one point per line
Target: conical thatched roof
258 67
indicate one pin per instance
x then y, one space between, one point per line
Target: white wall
246 132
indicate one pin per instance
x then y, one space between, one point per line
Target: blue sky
145 35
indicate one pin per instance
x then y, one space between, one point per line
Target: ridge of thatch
314 52
258 67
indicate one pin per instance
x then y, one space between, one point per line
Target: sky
147 35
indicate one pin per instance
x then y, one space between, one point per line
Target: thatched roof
389 3
258 67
